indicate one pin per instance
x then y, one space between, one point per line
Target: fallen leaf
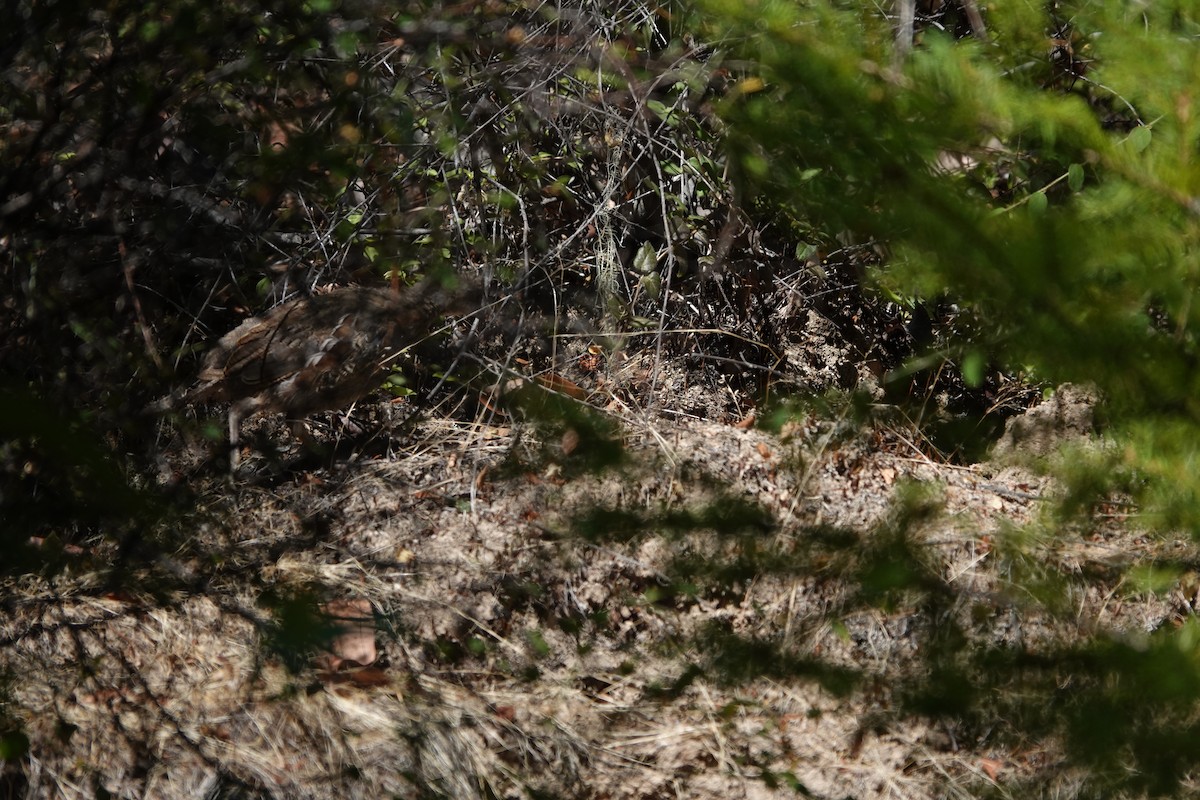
356 640
991 767
370 676
557 383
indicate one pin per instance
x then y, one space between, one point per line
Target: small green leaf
346 43
1038 202
645 261
151 30
1139 138
663 111
652 284
972 367
13 745
1075 177
537 643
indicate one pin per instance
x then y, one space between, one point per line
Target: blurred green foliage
1069 227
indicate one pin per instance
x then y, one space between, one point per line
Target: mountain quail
318 353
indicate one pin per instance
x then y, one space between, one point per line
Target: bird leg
348 424
234 420
302 433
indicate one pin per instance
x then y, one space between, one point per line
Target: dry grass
515 657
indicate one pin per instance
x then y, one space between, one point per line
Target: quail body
318 353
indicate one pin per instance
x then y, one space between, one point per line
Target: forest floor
698 622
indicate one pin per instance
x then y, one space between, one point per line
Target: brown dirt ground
513 657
